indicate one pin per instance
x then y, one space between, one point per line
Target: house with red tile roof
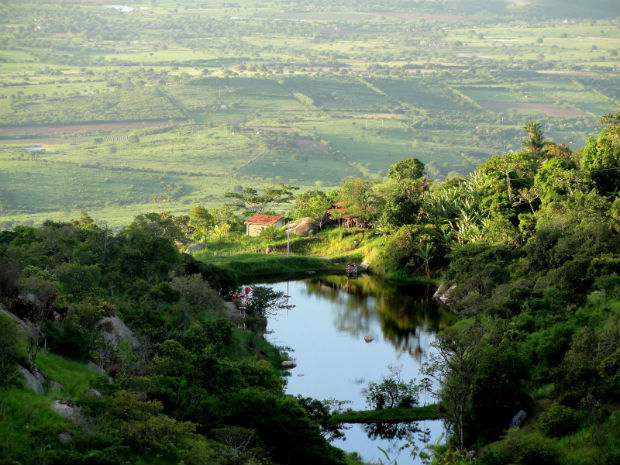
255 224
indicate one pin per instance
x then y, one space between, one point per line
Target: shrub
558 421
518 448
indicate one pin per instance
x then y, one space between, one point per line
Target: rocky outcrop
193 248
65 438
304 227
92 392
442 294
518 419
33 379
68 410
22 324
96 368
114 331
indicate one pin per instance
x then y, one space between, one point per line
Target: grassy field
173 103
250 267
426 412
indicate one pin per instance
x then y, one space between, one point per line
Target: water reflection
326 332
385 430
402 312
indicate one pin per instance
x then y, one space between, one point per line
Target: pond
325 331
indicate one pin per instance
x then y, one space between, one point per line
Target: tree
220 231
147 247
424 252
254 201
413 247
391 391
453 366
360 199
601 157
9 353
402 203
556 179
535 141
528 196
505 173
265 300
202 221
313 204
408 168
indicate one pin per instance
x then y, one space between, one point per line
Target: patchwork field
162 105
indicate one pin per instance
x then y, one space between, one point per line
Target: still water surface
324 333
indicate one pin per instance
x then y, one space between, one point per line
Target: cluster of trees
533 253
528 245
192 388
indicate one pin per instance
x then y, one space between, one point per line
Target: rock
114 331
193 248
288 364
34 380
305 226
65 438
55 386
442 294
518 419
22 324
67 409
364 266
92 392
96 368
351 270
30 297
368 338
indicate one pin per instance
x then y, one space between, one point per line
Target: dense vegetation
537 276
527 247
158 107
187 387
297 108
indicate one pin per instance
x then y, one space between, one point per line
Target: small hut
255 224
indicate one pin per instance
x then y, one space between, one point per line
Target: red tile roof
263 219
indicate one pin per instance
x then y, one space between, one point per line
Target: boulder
22 324
33 379
55 386
288 364
65 438
305 226
442 294
114 331
92 392
193 248
96 368
518 419
67 409
368 338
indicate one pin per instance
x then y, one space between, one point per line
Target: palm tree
535 138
